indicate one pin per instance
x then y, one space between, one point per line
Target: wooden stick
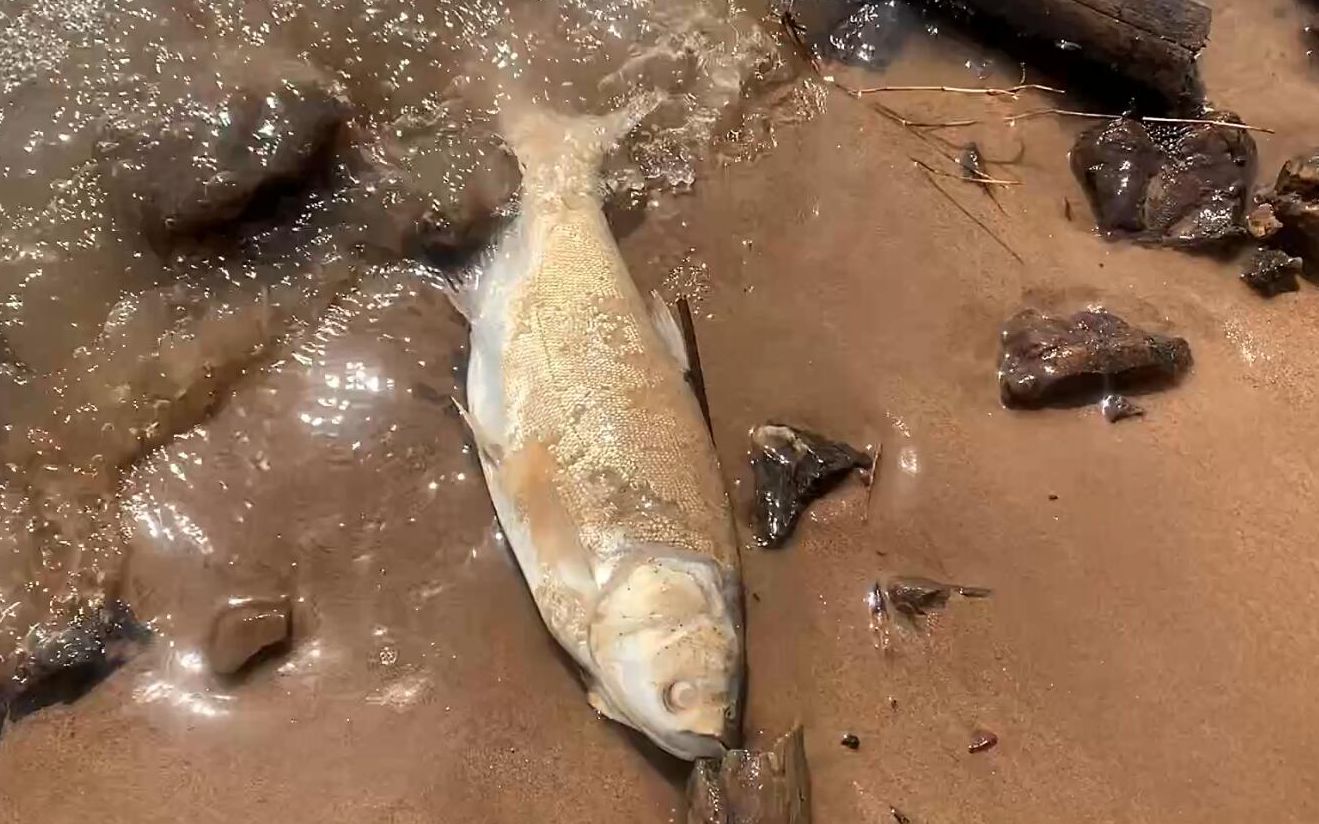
1011 92
977 179
873 478
1227 124
977 221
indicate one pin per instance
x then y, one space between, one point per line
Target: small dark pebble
1053 497
898 816
1270 272
892 703
755 596
851 742
982 740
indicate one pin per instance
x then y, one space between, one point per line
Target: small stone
1262 222
245 627
851 741
1053 497
1270 272
898 816
1116 407
982 740
1057 359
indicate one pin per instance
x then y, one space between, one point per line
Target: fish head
667 647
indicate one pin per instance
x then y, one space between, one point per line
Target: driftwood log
1151 43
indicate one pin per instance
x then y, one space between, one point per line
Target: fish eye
679 696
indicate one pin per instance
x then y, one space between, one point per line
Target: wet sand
1146 655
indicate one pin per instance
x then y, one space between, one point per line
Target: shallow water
1146 655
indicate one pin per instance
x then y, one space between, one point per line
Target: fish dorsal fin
661 316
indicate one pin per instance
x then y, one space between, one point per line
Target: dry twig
977 179
1012 92
1012 119
977 221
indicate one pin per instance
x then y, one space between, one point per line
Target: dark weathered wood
1153 43
1185 23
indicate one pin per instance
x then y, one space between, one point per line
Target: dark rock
851 741
1116 407
793 467
1114 163
872 35
899 817
233 152
1271 272
753 787
1050 359
982 740
1180 185
1198 197
61 662
244 628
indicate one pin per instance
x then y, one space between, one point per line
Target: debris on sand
912 595
982 740
245 627
851 741
899 817
61 662
753 787
1182 184
1052 359
793 467
1271 272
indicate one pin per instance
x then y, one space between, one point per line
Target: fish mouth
689 746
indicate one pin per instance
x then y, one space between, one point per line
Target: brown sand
1148 653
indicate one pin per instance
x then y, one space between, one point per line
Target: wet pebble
1052 359
1271 272
982 740
245 627
1117 407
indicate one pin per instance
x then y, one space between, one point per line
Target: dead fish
595 453
793 467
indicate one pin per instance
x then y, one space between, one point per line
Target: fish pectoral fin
669 330
601 704
491 452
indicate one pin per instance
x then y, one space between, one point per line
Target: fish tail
560 154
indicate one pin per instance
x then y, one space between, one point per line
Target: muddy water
1146 656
